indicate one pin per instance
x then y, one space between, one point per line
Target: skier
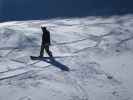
45 42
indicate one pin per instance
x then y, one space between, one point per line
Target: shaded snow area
98 51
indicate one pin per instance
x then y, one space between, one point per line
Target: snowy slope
98 51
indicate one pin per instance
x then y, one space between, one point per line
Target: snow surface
101 65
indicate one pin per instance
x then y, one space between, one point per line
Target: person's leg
42 51
48 51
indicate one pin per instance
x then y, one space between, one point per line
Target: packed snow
97 50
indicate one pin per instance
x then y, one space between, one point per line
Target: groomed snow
97 50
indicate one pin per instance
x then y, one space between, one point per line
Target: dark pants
46 47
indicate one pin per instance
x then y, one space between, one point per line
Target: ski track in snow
100 70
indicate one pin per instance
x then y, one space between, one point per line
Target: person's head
43 27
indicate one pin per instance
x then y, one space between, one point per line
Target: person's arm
49 38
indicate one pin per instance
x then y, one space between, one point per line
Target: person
45 42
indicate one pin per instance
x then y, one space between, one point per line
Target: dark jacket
46 37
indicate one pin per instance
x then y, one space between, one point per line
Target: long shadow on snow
57 64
